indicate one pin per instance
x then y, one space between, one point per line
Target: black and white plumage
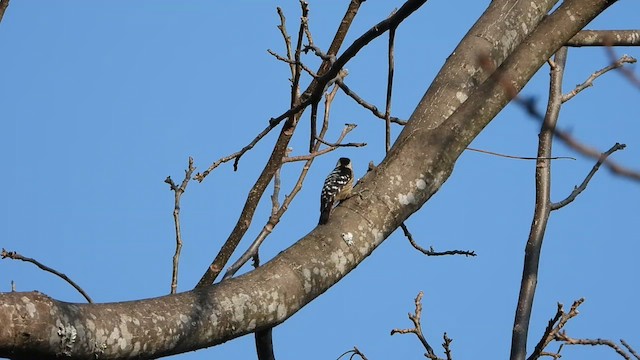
337 187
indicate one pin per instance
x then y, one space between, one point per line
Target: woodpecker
337 187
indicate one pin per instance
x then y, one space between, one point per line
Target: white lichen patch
282 312
340 261
421 184
406 199
461 96
29 306
348 238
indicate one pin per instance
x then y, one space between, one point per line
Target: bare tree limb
355 351
585 182
630 349
541 212
178 191
606 38
15 256
556 324
593 342
432 252
625 59
367 105
416 319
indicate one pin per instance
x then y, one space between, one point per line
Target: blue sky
102 100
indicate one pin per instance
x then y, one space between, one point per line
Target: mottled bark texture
517 40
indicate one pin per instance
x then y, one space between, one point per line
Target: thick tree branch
606 38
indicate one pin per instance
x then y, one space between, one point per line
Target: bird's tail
324 215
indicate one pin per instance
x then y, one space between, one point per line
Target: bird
337 187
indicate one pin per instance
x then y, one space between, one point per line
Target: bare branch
541 212
332 146
631 350
387 111
417 327
625 59
15 256
287 41
561 318
447 345
585 182
593 342
355 351
630 75
178 191
367 105
432 252
605 38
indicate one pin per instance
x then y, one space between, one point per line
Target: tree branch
541 212
585 182
178 191
605 38
15 256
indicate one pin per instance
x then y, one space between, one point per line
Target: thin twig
235 156
633 79
367 105
287 41
521 157
178 191
447 345
556 324
630 349
347 129
292 62
339 144
593 342
417 327
387 111
625 59
585 182
15 256
432 252
355 351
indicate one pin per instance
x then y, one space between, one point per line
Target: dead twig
417 327
178 191
355 351
367 105
432 252
585 182
625 59
15 256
